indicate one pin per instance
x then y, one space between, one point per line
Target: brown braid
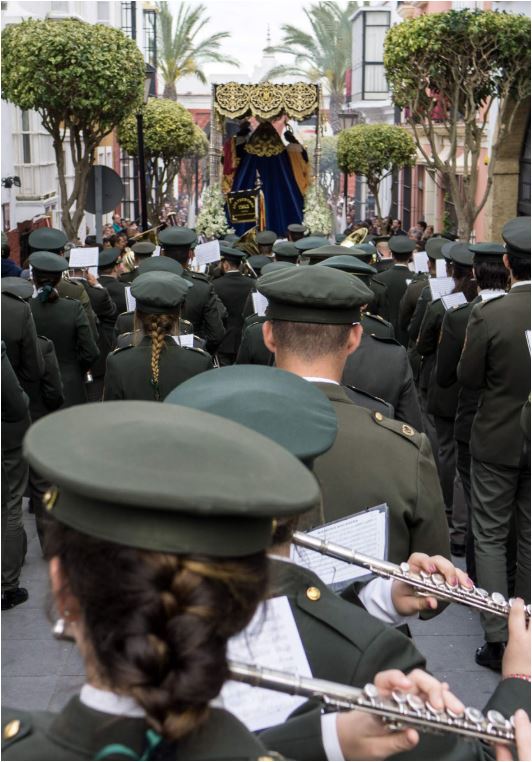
157 624
157 327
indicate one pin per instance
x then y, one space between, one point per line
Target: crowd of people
289 386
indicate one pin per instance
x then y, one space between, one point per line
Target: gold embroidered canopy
266 100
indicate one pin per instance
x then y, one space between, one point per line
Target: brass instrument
248 242
424 584
397 711
147 235
353 239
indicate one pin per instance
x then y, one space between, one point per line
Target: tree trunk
334 108
375 191
170 91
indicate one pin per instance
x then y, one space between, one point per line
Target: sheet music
453 300
270 640
83 258
208 252
131 302
259 303
440 287
441 268
157 252
366 532
421 262
184 340
408 282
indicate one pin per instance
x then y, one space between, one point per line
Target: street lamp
148 80
348 118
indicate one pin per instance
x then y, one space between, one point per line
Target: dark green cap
311 242
324 252
401 244
272 266
286 249
108 257
266 237
48 262
367 248
174 236
159 292
18 286
516 236
160 264
349 264
228 252
295 227
277 404
434 246
143 248
489 249
257 261
151 495
314 295
47 239
230 237
459 252
339 237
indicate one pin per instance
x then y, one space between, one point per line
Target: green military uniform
129 372
115 287
142 251
68 289
407 307
105 310
158 506
232 289
496 361
395 280
349 475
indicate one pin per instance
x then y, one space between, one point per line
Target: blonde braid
158 332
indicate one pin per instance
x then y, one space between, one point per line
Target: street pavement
39 672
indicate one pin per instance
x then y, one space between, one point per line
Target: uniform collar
109 702
521 283
490 293
320 380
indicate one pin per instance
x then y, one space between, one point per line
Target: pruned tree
169 136
180 50
375 150
82 79
449 72
329 170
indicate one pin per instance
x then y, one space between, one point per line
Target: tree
329 171
169 135
323 54
82 79
375 150
180 52
449 71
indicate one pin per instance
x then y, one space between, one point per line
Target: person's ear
267 335
506 261
63 599
355 337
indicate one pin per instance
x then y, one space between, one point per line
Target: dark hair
464 281
48 282
158 623
310 340
402 257
157 327
6 251
490 273
179 253
520 266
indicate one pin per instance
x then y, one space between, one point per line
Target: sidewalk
39 672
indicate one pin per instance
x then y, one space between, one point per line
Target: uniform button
50 497
408 430
379 417
11 729
313 594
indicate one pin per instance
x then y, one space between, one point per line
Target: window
150 38
129 174
523 204
406 215
26 139
369 31
128 20
6 218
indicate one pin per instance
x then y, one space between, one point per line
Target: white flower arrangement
317 215
212 222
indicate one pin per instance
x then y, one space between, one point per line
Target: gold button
50 498
11 729
408 430
313 594
379 417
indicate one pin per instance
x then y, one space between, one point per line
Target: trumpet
397 711
424 584
353 239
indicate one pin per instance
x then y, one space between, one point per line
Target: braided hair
46 285
157 327
155 625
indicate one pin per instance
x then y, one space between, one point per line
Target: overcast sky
248 20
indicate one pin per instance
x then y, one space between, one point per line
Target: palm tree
325 53
180 51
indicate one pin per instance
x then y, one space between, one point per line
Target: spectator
117 223
397 228
9 267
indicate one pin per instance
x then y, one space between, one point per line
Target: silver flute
424 583
398 710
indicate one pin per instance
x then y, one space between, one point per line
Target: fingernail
470 582
454 581
432 568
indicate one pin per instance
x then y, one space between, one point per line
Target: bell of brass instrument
248 242
353 239
147 235
425 584
398 710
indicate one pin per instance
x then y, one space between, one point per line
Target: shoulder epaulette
198 276
386 339
398 427
13 296
127 312
16 725
375 279
198 349
484 303
376 317
460 307
121 349
368 395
